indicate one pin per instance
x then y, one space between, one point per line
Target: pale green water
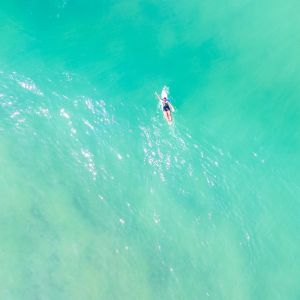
101 199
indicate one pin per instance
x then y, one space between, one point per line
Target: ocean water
101 199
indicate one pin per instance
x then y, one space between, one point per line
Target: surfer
167 107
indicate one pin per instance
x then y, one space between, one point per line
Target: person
167 107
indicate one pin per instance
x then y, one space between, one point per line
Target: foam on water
101 199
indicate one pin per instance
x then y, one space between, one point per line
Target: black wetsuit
166 106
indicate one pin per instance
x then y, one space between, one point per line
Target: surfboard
165 92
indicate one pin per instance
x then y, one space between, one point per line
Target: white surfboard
165 92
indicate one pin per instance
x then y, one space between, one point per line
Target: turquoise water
101 199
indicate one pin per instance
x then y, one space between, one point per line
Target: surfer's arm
157 96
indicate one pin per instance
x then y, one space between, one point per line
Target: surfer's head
164 98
